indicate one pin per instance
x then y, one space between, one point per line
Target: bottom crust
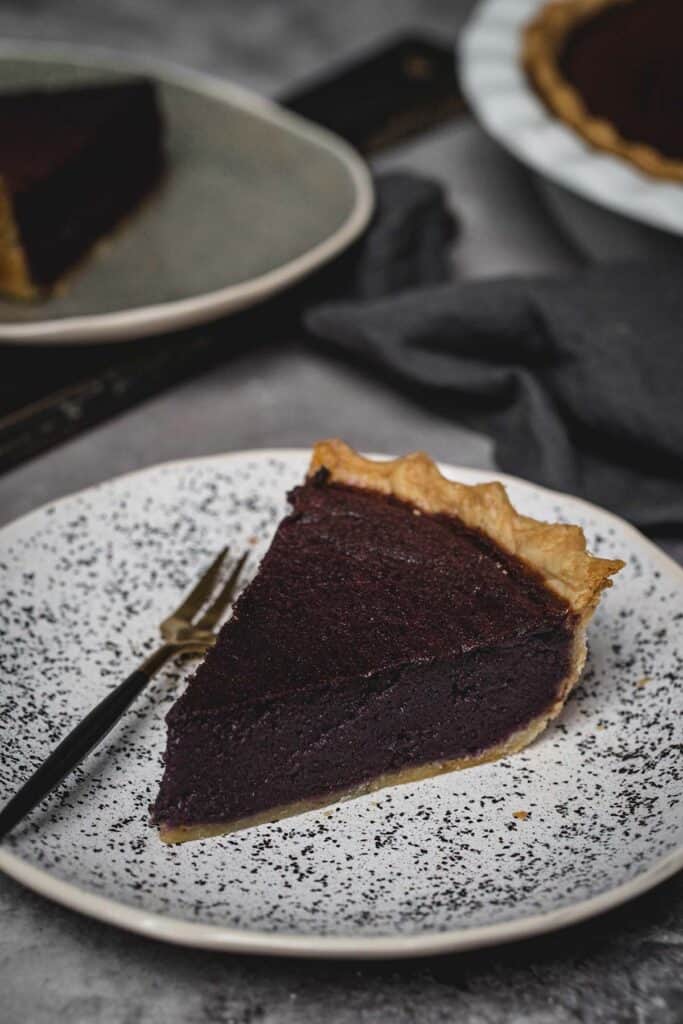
514 743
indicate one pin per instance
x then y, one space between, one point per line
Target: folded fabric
407 243
578 381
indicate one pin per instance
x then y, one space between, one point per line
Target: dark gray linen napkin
407 243
579 381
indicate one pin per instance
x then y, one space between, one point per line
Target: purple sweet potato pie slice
73 163
400 625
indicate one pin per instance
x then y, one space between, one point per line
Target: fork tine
213 613
201 591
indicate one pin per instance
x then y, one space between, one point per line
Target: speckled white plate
254 198
438 865
501 97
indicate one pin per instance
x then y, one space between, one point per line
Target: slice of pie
73 163
400 625
613 71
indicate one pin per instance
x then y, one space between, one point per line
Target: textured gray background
55 965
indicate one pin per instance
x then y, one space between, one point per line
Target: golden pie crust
15 278
542 42
556 552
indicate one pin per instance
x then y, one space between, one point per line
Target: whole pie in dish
400 625
613 71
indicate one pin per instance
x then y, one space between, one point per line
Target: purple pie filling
74 162
373 639
627 64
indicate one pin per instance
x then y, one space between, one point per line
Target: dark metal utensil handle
74 748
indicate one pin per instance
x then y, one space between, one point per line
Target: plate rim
635 200
227 939
156 318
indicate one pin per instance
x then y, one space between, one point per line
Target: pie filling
375 639
612 71
73 163
626 62
303 747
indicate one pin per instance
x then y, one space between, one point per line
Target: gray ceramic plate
437 865
254 199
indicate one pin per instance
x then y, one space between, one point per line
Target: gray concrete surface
57 966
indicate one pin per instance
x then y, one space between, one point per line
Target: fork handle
79 742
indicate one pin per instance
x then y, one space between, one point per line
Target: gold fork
182 635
